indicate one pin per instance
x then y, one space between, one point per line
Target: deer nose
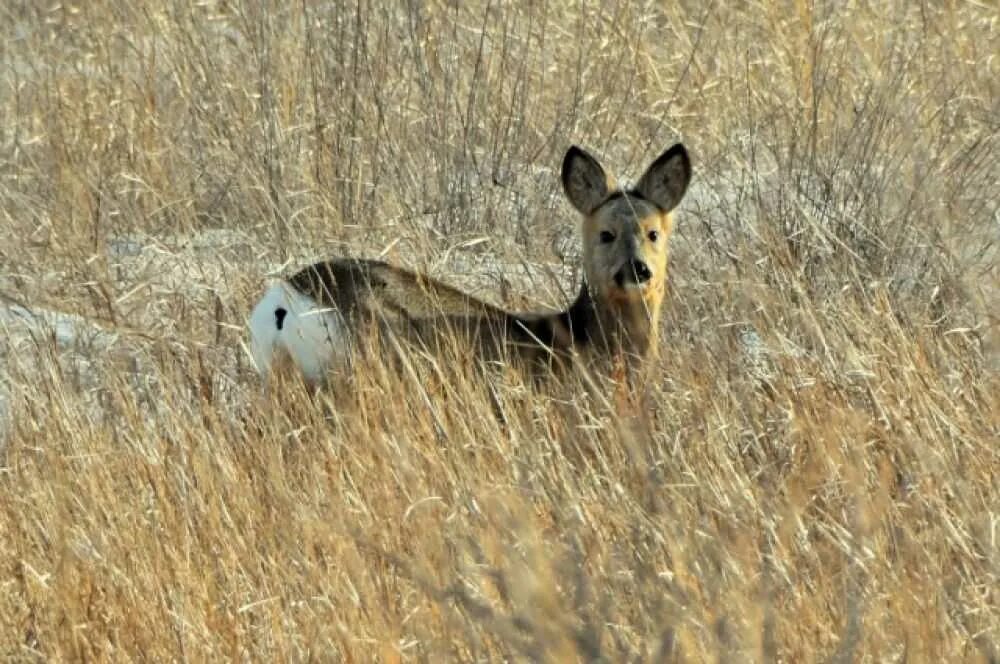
641 272
635 272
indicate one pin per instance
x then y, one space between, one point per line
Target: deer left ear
667 178
584 180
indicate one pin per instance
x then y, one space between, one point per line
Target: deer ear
584 181
666 179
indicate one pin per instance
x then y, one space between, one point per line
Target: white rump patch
315 338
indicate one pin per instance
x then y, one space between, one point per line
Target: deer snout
633 272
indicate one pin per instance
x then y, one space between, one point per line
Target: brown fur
612 317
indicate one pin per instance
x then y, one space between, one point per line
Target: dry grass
814 477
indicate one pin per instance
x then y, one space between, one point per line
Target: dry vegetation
813 477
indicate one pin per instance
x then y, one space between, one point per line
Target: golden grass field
815 475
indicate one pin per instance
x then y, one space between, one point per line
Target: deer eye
653 236
607 237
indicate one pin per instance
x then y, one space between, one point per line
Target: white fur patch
315 338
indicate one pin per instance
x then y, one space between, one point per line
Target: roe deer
315 317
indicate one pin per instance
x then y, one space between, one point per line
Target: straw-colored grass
815 472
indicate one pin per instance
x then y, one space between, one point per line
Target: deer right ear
584 181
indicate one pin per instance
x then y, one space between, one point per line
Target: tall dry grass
814 475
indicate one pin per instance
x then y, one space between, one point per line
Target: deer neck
628 327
